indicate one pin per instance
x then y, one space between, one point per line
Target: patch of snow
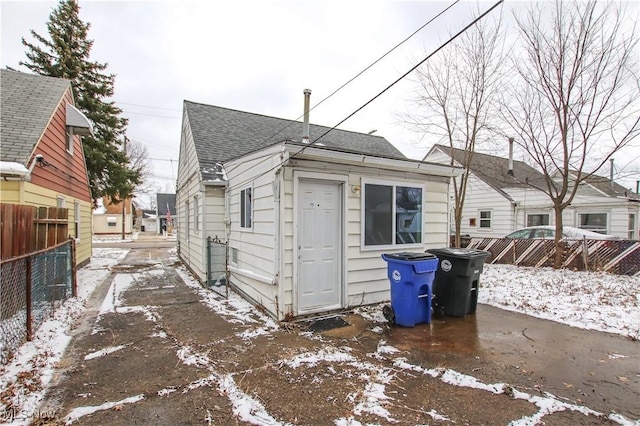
103 352
79 412
589 300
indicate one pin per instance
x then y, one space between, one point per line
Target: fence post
74 268
28 297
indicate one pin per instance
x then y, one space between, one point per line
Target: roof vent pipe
305 124
510 171
611 174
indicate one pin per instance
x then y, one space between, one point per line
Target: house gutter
335 156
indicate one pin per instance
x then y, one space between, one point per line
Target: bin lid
409 256
461 252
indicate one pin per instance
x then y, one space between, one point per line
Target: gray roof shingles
493 170
222 134
27 103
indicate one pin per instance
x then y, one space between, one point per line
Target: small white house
500 200
306 223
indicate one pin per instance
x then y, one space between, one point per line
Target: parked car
568 233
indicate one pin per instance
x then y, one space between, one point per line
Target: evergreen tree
65 54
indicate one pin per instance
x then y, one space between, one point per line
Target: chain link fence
32 286
217 266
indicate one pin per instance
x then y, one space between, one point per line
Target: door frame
341 182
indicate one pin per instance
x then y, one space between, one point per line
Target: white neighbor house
306 224
499 202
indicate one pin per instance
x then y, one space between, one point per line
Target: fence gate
217 255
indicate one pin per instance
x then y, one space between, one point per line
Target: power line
149 106
364 70
458 34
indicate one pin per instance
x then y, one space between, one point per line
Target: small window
76 223
234 255
538 219
596 222
392 214
485 219
187 216
112 221
632 226
196 214
70 140
60 202
245 208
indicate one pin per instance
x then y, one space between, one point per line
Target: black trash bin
455 286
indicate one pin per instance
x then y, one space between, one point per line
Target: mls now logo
396 275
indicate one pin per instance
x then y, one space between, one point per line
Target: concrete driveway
171 353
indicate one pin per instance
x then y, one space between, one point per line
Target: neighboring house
305 224
148 221
166 212
108 219
500 200
41 156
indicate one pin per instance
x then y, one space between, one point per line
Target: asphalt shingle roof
222 134
493 170
27 103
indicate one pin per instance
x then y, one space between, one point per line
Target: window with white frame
485 219
596 222
392 214
187 218
245 208
76 221
538 219
196 214
60 202
632 226
112 221
70 140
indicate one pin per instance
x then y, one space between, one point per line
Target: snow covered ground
586 300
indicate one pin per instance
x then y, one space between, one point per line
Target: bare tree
575 99
455 96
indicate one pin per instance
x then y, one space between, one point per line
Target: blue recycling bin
411 277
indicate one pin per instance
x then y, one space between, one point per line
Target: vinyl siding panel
192 242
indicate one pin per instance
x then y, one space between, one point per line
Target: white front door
319 243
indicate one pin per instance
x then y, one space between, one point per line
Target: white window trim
480 219
240 198
69 142
534 213
196 214
583 212
394 184
187 219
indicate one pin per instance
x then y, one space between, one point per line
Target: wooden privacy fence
621 257
26 229
31 287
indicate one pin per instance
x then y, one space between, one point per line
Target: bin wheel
388 313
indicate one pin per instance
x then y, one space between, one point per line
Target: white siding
265 253
193 243
254 273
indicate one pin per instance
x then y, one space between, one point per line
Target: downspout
278 185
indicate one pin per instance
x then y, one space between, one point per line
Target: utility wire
281 163
364 70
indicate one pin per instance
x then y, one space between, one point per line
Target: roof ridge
257 114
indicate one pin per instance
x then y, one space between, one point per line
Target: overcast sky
255 56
